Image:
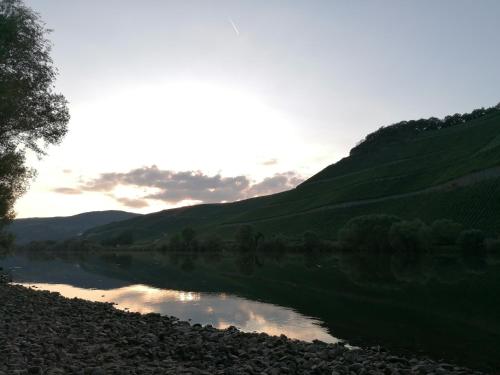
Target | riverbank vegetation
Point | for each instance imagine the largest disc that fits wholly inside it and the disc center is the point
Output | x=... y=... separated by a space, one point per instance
x=366 y=234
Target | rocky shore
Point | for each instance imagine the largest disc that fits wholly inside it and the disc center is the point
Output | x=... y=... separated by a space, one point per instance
x=4 y=278
x=44 y=333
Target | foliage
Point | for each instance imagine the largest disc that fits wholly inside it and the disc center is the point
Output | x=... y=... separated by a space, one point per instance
x=186 y=241
x=493 y=245
x=123 y=239
x=275 y=244
x=445 y=231
x=385 y=233
x=409 y=236
x=367 y=233
x=189 y=242
x=14 y=176
x=70 y=245
x=6 y=242
x=408 y=129
x=212 y=244
x=310 y=241
x=32 y=115
x=175 y=243
x=472 y=241
x=247 y=238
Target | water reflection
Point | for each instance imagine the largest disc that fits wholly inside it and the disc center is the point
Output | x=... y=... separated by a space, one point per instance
x=444 y=305
x=218 y=309
x=399 y=270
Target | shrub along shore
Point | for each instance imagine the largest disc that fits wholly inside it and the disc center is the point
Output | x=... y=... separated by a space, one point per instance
x=370 y=234
x=44 y=333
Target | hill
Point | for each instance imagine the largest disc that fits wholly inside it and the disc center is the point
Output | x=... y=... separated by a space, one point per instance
x=61 y=228
x=427 y=169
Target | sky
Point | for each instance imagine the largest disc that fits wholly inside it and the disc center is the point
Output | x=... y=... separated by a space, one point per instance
x=183 y=102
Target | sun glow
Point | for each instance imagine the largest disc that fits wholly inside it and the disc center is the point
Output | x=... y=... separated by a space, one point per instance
x=186 y=125
x=178 y=125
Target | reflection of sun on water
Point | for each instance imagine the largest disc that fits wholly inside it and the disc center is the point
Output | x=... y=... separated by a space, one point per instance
x=188 y=296
x=140 y=298
x=220 y=310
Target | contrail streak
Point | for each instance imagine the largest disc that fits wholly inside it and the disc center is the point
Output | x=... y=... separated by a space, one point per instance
x=234 y=27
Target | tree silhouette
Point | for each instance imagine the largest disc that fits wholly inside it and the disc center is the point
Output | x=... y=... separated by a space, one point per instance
x=189 y=242
x=247 y=239
x=32 y=115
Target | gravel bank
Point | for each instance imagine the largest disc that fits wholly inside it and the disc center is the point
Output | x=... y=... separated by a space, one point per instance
x=44 y=333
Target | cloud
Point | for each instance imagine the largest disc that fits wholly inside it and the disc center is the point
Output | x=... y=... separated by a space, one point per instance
x=67 y=190
x=174 y=187
x=279 y=182
x=270 y=162
x=134 y=203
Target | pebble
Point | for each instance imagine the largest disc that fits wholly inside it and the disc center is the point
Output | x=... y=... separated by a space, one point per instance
x=45 y=333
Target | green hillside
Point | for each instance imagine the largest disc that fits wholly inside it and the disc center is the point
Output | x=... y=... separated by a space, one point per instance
x=61 y=228
x=427 y=169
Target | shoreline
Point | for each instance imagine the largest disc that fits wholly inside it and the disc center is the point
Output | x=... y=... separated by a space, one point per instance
x=44 y=333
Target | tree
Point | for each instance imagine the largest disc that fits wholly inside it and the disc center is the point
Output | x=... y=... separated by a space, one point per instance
x=189 y=239
x=409 y=236
x=32 y=115
x=247 y=239
x=472 y=242
x=212 y=244
x=367 y=233
x=175 y=243
x=445 y=231
x=6 y=241
x=276 y=244
x=310 y=241
x=123 y=238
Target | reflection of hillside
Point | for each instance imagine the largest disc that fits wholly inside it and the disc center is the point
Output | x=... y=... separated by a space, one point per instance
x=443 y=305
x=379 y=271
x=52 y=270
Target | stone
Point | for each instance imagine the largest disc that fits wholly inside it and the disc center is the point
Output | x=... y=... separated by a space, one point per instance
x=51 y=335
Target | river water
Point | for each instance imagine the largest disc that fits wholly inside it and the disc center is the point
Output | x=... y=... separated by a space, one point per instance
x=446 y=306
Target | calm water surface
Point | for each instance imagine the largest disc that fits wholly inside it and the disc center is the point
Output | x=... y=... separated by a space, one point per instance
x=443 y=306
x=218 y=309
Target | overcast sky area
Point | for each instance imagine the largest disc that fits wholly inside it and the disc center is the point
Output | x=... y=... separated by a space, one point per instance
x=181 y=102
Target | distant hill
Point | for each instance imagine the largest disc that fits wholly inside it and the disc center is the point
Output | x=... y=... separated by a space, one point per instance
x=427 y=169
x=61 y=228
